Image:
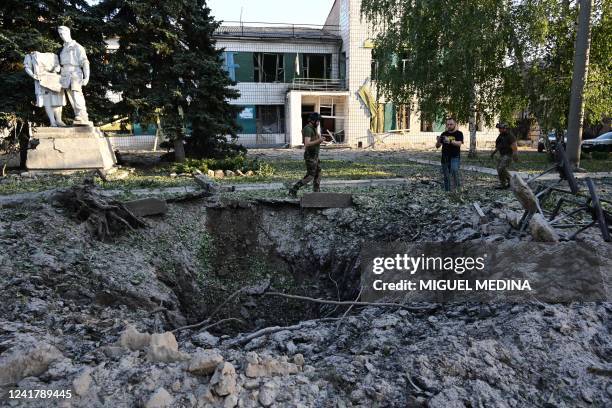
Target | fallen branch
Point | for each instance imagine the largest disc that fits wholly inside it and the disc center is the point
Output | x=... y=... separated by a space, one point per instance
x=274 y=329
x=203 y=322
x=348 y=302
x=348 y=310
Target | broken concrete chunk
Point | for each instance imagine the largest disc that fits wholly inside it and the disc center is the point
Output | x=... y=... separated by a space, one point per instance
x=267 y=394
x=204 y=362
x=147 y=206
x=267 y=366
x=298 y=360
x=541 y=230
x=26 y=362
x=207 y=183
x=134 y=340
x=513 y=217
x=160 y=399
x=223 y=381
x=230 y=401
x=205 y=339
x=523 y=193
x=326 y=200
x=82 y=382
x=164 y=348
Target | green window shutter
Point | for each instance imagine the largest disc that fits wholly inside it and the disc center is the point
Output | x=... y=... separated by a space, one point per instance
x=289 y=66
x=389 y=117
x=244 y=66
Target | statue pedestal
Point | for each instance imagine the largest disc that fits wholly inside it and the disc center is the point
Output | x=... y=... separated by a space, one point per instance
x=70 y=148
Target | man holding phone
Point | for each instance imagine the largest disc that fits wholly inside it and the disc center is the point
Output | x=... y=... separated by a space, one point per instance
x=450 y=140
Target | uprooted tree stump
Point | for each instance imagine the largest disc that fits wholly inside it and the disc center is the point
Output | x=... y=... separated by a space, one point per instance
x=105 y=217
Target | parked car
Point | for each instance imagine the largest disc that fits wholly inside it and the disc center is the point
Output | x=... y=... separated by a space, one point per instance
x=552 y=139
x=602 y=143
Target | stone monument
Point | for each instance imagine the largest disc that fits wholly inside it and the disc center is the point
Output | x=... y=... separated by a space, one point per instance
x=61 y=147
x=74 y=74
x=44 y=68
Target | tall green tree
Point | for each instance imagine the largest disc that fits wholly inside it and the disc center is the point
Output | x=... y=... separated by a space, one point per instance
x=167 y=69
x=451 y=54
x=31 y=25
x=494 y=57
x=544 y=34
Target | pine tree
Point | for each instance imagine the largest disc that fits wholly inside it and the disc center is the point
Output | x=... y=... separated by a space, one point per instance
x=167 y=69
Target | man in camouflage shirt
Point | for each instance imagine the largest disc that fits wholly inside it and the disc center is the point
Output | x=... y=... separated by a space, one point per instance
x=507 y=148
x=312 y=143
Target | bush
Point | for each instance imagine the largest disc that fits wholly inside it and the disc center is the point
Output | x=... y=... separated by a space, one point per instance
x=235 y=163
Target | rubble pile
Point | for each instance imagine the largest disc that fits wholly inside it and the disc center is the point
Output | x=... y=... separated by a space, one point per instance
x=106 y=320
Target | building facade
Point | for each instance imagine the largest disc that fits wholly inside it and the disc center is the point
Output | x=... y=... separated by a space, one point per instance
x=285 y=72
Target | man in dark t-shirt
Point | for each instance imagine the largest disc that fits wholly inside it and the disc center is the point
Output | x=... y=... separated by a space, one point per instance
x=506 y=145
x=450 y=140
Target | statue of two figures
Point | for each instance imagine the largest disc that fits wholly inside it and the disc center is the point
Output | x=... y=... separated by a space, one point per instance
x=55 y=78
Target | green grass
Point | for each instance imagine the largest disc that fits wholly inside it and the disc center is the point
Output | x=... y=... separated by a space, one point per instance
x=529 y=161
x=291 y=170
x=158 y=176
x=18 y=185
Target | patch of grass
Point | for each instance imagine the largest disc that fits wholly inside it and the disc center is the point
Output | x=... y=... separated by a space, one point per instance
x=529 y=161
x=293 y=170
x=17 y=185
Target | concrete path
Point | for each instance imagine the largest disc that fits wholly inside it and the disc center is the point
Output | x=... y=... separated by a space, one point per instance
x=16 y=199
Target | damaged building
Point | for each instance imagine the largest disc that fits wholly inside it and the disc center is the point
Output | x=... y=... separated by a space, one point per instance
x=284 y=72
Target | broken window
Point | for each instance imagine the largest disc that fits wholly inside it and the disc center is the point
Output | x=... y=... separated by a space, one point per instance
x=426 y=126
x=268 y=67
x=402 y=117
x=436 y=126
x=316 y=66
x=270 y=119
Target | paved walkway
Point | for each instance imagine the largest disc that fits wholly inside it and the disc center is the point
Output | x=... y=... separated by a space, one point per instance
x=16 y=199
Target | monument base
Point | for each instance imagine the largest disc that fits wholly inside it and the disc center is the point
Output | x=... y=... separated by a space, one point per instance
x=70 y=148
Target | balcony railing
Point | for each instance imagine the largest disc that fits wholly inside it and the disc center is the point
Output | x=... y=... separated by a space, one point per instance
x=318 y=84
x=260 y=29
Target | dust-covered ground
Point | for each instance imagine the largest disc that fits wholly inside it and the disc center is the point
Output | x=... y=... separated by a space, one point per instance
x=103 y=321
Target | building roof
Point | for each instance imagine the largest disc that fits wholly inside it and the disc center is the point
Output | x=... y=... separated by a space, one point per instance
x=278 y=31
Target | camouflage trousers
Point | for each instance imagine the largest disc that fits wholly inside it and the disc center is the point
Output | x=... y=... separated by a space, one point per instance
x=313 y=173
x=503 y=164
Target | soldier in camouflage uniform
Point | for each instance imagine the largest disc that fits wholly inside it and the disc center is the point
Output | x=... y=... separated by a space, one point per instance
x=507 y=148
x=312 y=143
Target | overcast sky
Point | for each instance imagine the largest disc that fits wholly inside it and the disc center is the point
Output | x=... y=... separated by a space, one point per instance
x=274 y=11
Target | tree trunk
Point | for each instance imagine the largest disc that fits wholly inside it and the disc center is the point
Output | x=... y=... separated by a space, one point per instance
x=472 y=127
x=23 y=136
x=179 y=150
x=579 y=77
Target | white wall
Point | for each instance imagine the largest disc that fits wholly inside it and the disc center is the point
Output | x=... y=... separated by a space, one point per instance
x=255 y=93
